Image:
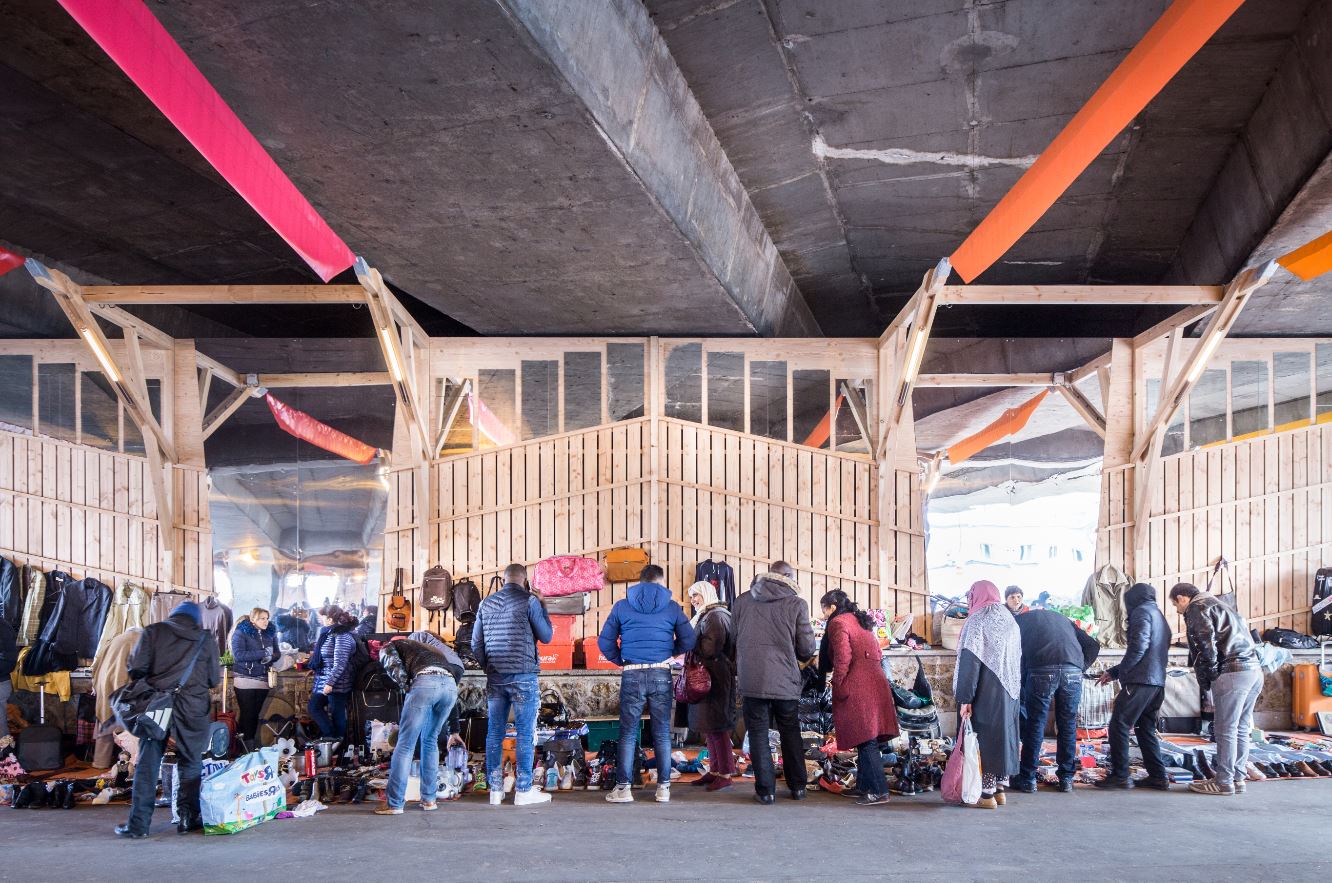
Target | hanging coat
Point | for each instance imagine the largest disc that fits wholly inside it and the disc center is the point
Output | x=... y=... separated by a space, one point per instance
x=1105 y=593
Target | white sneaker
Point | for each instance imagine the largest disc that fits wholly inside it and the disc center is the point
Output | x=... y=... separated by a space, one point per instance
x=621 y=794
x=530 y=797
x=663 y=794
x=496 y=798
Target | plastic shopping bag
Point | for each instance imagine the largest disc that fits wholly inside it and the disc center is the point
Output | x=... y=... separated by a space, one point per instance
x=244 y=794
x=962 y=776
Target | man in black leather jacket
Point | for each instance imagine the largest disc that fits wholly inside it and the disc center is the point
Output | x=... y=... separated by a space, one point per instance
x=1141 y=674
x=1226 y=662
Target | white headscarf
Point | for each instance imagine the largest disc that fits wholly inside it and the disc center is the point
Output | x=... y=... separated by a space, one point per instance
x=709 y=593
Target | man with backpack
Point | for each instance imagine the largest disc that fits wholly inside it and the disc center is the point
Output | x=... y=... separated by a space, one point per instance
x=175 y=653
x=642 y=633
x=509 y=624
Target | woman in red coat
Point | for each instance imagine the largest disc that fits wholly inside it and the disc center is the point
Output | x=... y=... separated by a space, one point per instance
x=863 y=709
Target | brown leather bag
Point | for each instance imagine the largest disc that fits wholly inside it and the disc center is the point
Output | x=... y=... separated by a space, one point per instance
x=398 y=616
x=624 y=564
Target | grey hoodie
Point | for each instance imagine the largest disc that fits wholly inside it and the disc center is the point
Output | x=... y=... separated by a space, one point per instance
x=773 y=635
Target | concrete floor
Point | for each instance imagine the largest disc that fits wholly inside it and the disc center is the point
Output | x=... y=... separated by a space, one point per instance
x=1275 y=832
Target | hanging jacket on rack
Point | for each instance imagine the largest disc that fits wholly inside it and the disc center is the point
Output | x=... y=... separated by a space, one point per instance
x=216 y=617
x=45 y=656
x=721 y=576
x=129 y=610
x=31 y=621
x=87 y=603
x=1105 y=593
x=11 y=594
x=163 y=602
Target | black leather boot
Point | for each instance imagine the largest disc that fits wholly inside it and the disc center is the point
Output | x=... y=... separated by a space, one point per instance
x=124 y=831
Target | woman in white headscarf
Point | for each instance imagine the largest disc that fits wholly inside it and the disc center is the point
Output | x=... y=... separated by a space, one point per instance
x=987 y=684
x=714 y=715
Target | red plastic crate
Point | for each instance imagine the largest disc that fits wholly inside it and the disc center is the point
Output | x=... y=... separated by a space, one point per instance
x=593 y=659
x=556 y=656
x=563 y=628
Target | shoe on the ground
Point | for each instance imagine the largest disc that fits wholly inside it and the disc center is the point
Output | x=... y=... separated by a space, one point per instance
x=764 y=799
x=798 y=794
x=1212 y=787
x=1239 y=785
x=124 y=831
x=987 y=803
x=1065 y=786
x=718 y=783
x=567 y=779
x=496 y=798
x=871 y=800
x=703 y=780
x=1204 y=765
x=1153 y=782
x=389 y=811
x=663 y=794
x=999 y=798
x=530 y=797
x=1024 y=787
x=1113 y=782
x=620 y=794
x=184 y=827
x=429 y=807
x=1252 y=773
x=1307 y=770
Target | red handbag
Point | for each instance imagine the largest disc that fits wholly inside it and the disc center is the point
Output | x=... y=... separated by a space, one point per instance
x=568 y=575
x=693 y=683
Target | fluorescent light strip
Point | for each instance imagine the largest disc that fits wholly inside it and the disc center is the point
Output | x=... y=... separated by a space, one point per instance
x=391 y=355
x=103 y=357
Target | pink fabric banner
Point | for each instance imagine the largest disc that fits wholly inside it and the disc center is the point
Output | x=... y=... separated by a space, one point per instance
x=321 y=435
x=9 y=261
x=136 y=41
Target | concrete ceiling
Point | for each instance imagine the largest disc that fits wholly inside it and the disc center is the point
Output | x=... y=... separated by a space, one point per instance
x=681 y=166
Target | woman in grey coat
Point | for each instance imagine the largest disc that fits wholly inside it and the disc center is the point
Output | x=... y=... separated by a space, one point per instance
x=987 y=684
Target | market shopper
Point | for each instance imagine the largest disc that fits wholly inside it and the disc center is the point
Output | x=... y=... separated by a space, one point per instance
x=987 y=683
x=430 y=682
x=1226 y=662
x=714 y=715
x=1055 y=653
x=1013 y=600
x=254 y=647
x=862 y=699
x=333 y=662
x=641 y=634
x=167 y=652
x=294 y=628
x=1141 y=674
x=509 y=623
x=773 y=639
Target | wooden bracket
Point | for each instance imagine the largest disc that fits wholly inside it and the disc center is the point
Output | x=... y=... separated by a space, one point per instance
x=449 y=414
x=1086 y=410
x=381 y=303
x=229 y=406
x=917 y=328
x=856 y=403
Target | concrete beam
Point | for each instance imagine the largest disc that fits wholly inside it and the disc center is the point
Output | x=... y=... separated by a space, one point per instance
x=618 y=65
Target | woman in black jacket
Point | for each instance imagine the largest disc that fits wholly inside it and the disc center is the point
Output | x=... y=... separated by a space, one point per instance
x=714 y=715
x=254 y=646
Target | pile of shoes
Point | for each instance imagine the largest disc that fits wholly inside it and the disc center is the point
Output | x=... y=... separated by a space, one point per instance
x=58 y=794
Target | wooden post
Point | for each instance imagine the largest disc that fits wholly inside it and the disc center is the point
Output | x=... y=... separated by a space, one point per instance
x=653 y=385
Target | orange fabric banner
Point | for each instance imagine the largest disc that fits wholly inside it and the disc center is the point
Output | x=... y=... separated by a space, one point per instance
x=1009 y=422
x=820 y=433
x=1159 y=55
x=1310 y=260
x=321 y=435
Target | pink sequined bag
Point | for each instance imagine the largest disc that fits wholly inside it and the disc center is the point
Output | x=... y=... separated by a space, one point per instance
x=567 y=575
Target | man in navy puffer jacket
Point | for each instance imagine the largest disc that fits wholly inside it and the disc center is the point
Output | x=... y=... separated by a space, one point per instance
x=641 y=634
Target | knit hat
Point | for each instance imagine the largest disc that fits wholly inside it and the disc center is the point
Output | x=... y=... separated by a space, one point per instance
x=187 y=608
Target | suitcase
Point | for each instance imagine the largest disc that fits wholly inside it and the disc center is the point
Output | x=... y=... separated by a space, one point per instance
x=39 y=744
x=1320 y=617
x=1306 y=693
x=569 y=605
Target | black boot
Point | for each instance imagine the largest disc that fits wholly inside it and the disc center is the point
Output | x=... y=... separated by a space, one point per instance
x=124 y=831
x=68 y=800
x=185 y=826
x=1203 y=766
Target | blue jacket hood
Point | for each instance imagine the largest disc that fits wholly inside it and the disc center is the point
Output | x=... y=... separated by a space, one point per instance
x=649 y=597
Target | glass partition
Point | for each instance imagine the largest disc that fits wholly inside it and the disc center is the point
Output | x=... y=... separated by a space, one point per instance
x=726 y=390
x=684 y=382
x=582 y=390
x=99 y=417
x=1248 y=398
x=16 y=393
x=767 y=399
x=811 y=407
x=624 y=374
x=1207 y=409
x=1291 y=385
x=55 y=400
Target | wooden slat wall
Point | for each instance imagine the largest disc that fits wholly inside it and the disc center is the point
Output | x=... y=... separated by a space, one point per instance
x=92 y=513
x=1264 y=504
x=721 y=494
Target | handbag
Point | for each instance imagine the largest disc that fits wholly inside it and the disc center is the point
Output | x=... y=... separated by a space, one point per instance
x=1096 y=704
x=625 y=564
x=568 y=575
x=399 y=615
x=693 y=683
x=950 y=632
x=437 y=589
x=145 y=711
x=962 y=775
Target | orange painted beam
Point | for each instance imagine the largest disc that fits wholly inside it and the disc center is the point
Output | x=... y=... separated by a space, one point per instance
x=1310 y=260
x=1171 y=42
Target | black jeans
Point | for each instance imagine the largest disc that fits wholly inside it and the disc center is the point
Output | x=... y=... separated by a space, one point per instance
x=1060 y=686
x=248 y=705
x=760 y=716
x=1136 y=709
x=189 y=760
x=870 y=778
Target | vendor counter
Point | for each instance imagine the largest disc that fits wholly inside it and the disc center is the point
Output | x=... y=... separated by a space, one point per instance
x=596 y=694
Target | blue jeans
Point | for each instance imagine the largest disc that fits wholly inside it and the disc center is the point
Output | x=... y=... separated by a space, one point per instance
x=330 y=714
x=870 y=777
x=504 y=692
x=424 y=713
x=640 y=688
x=1060 y=686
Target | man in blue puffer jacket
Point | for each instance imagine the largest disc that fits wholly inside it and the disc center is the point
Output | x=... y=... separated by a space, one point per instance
x=641 y=635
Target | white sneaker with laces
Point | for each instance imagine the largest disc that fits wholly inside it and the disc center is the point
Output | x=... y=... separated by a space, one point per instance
x=496 y=798
x=621 y=794
x=530 y=797
x=663 y=794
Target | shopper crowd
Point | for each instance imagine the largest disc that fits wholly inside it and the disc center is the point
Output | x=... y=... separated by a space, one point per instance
x=1015 y=667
